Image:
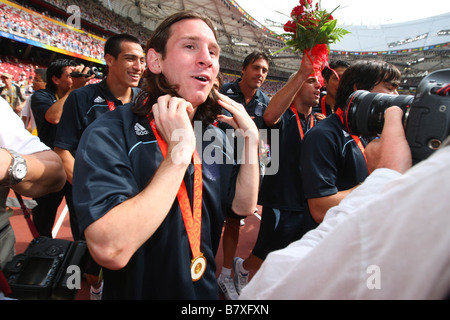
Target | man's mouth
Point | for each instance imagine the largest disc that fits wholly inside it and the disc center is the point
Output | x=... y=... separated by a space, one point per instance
x=202 y=78
x=135 y=76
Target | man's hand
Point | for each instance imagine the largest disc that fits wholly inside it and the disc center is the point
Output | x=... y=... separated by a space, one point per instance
x=246 y=194
x=319 y=116
x=391 y=150
x=78 y=82
x=240 y=119
x=173 y=121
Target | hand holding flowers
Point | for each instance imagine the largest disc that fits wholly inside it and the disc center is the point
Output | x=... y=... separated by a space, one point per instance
x=311 y=31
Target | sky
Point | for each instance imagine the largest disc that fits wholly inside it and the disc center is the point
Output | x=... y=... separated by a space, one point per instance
x=351 y=12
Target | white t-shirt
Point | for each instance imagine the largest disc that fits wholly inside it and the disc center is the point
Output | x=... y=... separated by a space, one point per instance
x=388 y=239
x=13 y=134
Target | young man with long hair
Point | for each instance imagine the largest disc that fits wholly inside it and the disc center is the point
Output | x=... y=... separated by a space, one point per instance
x=151 y=208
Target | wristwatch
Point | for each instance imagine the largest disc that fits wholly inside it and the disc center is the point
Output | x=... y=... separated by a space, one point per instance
x=17 y=169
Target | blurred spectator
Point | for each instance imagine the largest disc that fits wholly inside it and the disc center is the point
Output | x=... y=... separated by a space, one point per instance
x=12 y=94
x=39 y=82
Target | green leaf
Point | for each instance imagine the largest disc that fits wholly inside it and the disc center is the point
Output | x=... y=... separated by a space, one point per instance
x=331 y=24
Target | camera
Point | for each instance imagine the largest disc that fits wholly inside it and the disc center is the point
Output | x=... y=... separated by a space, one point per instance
x=93 y=70
x=41 y=272
x=426 y=116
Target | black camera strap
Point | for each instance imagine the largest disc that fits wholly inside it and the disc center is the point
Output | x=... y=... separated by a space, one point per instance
x=27 y=216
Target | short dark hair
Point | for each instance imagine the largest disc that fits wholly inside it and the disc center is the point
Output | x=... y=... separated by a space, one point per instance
x=156 y=85
x=56 y=68
x=365 y=75
x=113 y=45
x=42 y=72
x=252 y=57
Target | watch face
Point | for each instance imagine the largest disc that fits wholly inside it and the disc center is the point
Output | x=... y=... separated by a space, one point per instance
x=20 y=171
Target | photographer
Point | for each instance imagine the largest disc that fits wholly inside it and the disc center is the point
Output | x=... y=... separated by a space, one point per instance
x=332 y=160
x=42 y=172
x=373 y=245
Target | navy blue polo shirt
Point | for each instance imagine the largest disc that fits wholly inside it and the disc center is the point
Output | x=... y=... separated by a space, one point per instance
x=81 y=108
x=41 y=101
x=117 y=156
x=255 y=108
x=331 y=161
x=284 y=190
x=318 y=108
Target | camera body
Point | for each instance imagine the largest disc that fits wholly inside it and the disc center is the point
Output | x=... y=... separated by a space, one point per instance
x=93 y=70
x=426 y=118
x=41 y=271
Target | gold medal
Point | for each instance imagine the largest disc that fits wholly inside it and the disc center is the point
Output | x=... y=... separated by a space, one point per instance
x=198 y=267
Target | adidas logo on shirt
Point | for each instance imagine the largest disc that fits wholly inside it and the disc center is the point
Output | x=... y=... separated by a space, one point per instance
x=140 y=130
x=99 y=99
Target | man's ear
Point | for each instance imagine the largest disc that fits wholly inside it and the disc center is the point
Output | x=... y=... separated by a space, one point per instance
x=109 y=59
x=55 y=80
x=153 y=61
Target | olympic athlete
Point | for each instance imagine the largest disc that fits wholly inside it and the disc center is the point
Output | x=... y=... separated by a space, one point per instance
x=284 y=216
x=125 y=60
x=151 y=196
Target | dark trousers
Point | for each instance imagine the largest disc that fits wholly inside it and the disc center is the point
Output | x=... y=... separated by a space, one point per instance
x=44 y=213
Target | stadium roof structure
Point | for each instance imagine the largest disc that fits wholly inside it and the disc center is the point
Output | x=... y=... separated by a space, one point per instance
x=417 y=47
x=421 y=45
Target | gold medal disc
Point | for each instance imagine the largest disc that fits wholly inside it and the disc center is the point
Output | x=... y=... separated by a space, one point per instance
x=198 y=267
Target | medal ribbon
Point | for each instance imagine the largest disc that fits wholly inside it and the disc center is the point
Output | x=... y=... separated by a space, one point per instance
x=323 y=107
x=361 y=147
x=111 y=105
x=299 y=123
x=192 y=218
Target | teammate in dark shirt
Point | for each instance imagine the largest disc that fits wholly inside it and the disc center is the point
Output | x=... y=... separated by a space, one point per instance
x=332 y=160
x=125 y=61
x=134 y=178
x=247 y=89
x=332 y=73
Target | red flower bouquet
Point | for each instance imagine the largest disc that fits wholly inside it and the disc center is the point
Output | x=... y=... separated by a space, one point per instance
x=311 y=31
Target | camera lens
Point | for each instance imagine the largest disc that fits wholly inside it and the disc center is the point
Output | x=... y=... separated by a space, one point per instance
x=364 y=111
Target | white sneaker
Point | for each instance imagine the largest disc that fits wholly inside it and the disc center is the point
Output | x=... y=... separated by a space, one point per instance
x=226 y=285
x=96 y=294
x=240 y=279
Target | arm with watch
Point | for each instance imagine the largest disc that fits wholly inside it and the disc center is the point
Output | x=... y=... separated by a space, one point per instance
x=31 y=175
x=27 y=165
